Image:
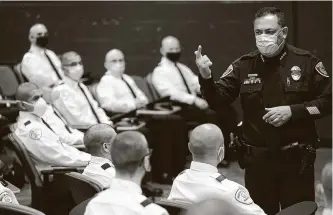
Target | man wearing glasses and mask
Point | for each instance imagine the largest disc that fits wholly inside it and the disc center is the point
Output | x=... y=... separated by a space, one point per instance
x=41 y=66
x=283 y=90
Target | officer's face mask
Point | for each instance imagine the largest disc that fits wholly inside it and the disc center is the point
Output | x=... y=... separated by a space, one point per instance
x=75 y=72
x=39 y=107
x=268 y=44
x=173 y=56
x=42 y=41
x=117 y=68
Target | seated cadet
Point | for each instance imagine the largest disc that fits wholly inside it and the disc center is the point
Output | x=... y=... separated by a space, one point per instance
x=98 y=139
x=203 y=181
x=76 y=104
x=40 y=65
x=44 y=145
x=59 y=125
x=130 y=156
x=325 y=188
x=117 y=92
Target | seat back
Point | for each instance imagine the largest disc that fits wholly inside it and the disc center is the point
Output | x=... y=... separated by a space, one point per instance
x=81 y=187
x=151 y=87
x=93 y=89
x=30 y=169
x=302 y=208
x=143 y=86
x=18 y=72
x=11 y=209
x=173 y=207
x=8 y=82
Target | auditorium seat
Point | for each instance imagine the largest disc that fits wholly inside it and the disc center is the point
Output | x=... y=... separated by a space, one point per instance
x=11 y=209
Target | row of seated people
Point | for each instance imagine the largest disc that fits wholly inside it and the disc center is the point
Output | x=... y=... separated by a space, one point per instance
x=126 y=159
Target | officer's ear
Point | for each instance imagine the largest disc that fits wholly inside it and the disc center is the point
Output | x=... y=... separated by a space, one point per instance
x=285 y=32
x=107 y=147
x=146 y=164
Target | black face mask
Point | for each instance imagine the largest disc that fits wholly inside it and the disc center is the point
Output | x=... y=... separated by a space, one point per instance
x=173 y=56
x=42 y=41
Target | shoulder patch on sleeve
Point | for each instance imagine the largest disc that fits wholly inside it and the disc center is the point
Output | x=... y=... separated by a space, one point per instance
x=35 y=133
x=321 y=69
x=27 y=123
x=228 y=71
x=243 y=196
x=146 y=202
x=105 y=166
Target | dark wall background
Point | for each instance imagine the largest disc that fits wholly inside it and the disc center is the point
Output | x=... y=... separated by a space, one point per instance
x=224 y=29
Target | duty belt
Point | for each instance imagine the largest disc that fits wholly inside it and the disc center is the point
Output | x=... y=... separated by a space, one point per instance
x=261 y=150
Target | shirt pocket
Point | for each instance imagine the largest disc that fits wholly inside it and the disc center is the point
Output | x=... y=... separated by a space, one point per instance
x=296 y=91
x=251 y=97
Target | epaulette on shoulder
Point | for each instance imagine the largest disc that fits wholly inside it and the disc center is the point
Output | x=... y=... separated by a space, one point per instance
x=27 y=123
x=299 y=51
x=248 y=56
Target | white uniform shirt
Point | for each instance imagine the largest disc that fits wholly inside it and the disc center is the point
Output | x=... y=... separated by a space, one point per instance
x=44 y=146
x=7 y=196
x=37 y=69
x=100 y=169
x=200 y=182
x=327 y=211
x=114 y=94
x=67 y=134
x=123 y=197
x=168 y=81
x=74 y=106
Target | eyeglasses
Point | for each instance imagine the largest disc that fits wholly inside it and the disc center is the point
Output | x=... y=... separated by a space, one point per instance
x=74 y=64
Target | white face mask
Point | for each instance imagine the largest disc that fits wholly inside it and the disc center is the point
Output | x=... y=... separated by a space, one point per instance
x=76 y=73
x=40 y=107
x=267 y=44
x=118 y=68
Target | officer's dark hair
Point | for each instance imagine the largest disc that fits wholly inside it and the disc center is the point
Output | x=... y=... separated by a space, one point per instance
x=271 y=10
x=96 y=135
x=128 y=151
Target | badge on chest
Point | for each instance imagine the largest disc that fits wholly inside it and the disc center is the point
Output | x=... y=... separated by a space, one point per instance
x=252 y=79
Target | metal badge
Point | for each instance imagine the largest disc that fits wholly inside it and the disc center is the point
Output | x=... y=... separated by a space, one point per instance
x=296 y=73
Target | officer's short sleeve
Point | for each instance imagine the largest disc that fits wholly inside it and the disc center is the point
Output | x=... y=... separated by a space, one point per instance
x=320 y=88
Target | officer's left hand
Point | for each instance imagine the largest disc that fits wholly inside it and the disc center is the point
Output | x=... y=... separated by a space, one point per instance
x=277 y=116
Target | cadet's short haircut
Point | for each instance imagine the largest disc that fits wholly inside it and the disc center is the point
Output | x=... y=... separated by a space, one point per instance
x=23 y=92
x=66 y=57
x=271 y=10
x=128 y=150
x=96 y=135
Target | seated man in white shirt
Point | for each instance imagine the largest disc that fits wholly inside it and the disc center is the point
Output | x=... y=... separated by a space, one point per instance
x=117 y=92
x=174 y=79
x=202 y=181
x=325 y=188
x=130 y=156
x=43 y=144
x=40 y=65
x=59 y=125
x=75 y=103
x=98 y=139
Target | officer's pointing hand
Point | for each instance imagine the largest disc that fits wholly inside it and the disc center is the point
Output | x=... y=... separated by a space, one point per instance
x=203 y=63
x=277 y=116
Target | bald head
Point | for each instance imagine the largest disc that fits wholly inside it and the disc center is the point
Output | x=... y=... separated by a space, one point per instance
x=115 y=62
x=213 y=207
x=97 y=137
x=27 y=92
x=205 y=140
x=128 y=150
x=170 y=48
x=37 y=31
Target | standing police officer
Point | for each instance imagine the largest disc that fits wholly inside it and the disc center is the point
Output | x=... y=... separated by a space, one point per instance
x=283 y=90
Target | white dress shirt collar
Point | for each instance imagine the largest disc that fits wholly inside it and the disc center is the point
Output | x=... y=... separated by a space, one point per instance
x=166 y=61
x=203 y=167
x=125 y=185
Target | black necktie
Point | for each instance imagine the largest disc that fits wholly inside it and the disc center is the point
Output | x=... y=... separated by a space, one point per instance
x=54 y=68
x=91 y=107
x=129 y=87
x=184 y=80
x=65 y=123
x=47 y=125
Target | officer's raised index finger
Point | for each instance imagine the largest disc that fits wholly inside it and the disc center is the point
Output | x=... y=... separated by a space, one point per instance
x=198 y=52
